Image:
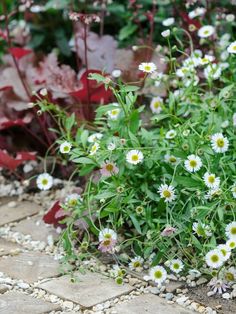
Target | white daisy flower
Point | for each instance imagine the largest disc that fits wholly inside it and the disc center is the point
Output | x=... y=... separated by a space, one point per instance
x=116 y=271
x=134 y=157
x=147 y=67
x=158 y=274
x=230 y=274
x=214 y=258
x=44 y=181
x=136 y=263
x=156 y=104
x=230 y=17
x=219 y=143
x=212 y=193
x=225 y=250
x=193 y=163
x=107 y=234
x=171 y=134
x=171 y=159
x=95 y=137
x=176 y=265
x=43 y=92
x=168 y=22
x=230 y=230
x=202 y=230
x=211 y=180
x=94 y=149
x=199 y=11
x=232 y=47
x=206 y=31
x=207 y=59
x=73 y=199
x=165 y=33
x=231 y=243
x=167 y=192
x=111 y=146
x=212 y=71
x=233 y=190
x=114 y=113
x=182 y=72
x=65 y=147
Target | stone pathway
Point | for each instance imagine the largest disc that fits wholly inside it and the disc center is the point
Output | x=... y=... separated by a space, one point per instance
x=30 y=278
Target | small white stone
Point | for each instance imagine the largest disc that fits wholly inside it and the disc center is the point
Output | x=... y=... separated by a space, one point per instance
x=23 y=285
x=68 y=304
x=210 y=293
x=12 y=204
x=53 y=298
x=30 y=263
x=182 y=300
x=226 y=296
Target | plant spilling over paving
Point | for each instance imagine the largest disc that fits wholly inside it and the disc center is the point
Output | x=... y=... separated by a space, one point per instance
x=160 y=194
x=154 y=139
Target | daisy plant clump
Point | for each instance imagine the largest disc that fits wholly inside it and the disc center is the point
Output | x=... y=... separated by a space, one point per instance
x=160 y=175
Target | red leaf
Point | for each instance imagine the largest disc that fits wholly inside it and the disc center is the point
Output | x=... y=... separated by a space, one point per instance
x=5 y=88
x=189 y=21
x=53 y=217
x=18 y=52
x=7 y=161
x=5 y=123
x=24 y=156
x=98 y=93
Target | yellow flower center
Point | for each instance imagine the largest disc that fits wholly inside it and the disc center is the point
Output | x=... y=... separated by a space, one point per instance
x=172 y=159
x=215 y=258
x=107 y=242
x=114 y=112
x=232 y=245
x=211 y=179
x=44 y=181
x=66 y=148
x=176 y=266
x=134 y=157
x=109 y=167
x=157 y=104
x=147 y=68
x=234 y=48
x=206 y=32
x=233 y=230
x=166 y=193
x=220 y=142
x=136 y=264
x=223 y=251
x=158 y=274
x=193 y=163
x=73 y=202
x=229 y=277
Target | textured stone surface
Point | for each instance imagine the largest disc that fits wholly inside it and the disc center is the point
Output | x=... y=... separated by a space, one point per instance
x=19 y=303
x=173 y=285
x=30 y=266
x=20 y=211
x=7 y=247
x=91 y=288
x=149 y=304
x=3 y=288
x=36 y=227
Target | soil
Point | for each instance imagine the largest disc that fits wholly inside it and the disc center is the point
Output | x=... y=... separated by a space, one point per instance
x=216 y=302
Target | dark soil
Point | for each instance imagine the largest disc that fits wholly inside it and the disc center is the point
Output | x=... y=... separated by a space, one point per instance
x=216 y=302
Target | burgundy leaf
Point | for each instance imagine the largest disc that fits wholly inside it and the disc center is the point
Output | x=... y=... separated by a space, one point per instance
x=18 y=52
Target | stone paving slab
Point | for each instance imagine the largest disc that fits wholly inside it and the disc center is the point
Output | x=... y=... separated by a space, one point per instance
x=9 y=248
x=149 y=304
x=21 y=211
x=91 y=289
x=30 y=266
x=19 y=303
x=36 y=227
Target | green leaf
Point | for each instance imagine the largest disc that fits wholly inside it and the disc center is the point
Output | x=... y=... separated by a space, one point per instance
x=130 y=88
x=134 y=121
x=97 y=77
x=86 y=170
x=187 y=181
x=84 y=160
x=196 y=242
x=84 y=138
x=127 y=30
x=107 y=194
x=134 y=139
x=69 y=122
x=135 y=223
